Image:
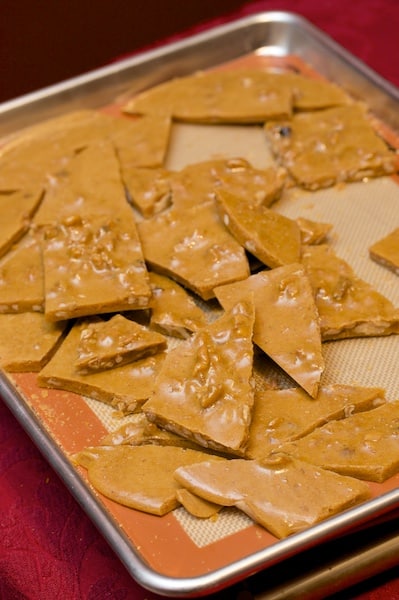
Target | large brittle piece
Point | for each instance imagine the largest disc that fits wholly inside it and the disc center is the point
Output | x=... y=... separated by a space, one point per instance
x=247 y=96
x=236 y=96
x=286 y=321
x=141 y=477
x=322 y=148
x=93 y=266
x=204 y=390
x=194 y=248
x=347 y=305
x=90 y=184
x=283 y=494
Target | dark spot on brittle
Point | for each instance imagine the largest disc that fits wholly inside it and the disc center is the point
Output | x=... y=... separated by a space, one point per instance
x=284 y=131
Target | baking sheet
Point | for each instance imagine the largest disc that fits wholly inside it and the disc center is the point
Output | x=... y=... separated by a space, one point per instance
x=177 y=555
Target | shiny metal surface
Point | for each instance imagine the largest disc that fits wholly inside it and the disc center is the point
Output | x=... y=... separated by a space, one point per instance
x=273 y=33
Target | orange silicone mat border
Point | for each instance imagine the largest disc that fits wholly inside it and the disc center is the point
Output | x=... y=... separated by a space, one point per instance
x=161 y=541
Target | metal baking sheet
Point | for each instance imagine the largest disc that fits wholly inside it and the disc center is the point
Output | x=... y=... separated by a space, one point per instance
x=170 y=555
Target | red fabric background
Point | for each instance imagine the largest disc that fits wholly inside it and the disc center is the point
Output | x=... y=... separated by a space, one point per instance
x=49 y=550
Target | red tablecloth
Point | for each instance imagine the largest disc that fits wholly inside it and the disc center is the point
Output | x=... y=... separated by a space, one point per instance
x=48 y=547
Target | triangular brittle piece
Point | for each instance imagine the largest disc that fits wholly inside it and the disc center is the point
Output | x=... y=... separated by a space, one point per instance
x=116 y=342
x=17 y=210
x=194 y=248
x=365 y=445
x=173 y=311
x=21 y=278
x=286 y=322
x=204 y=390
x=288 y=414
x=273 y=238
x=231 y=96
x=386 y=251
x=283 y=495
x=125 y=388
x=313 y=232
x=140 y=477
x=27 y=341
x=324 y=147
x=347 y=305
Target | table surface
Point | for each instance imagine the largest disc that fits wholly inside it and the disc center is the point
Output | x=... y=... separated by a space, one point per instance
x=49 y=549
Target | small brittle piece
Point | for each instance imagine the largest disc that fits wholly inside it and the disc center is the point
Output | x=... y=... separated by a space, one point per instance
x=204 y=391
x=173 y=310
x=196 y=182
x=149 y=190
x=347 y=305
x=196 y=506
x=125 y=388
x=116 y=342
x=313 y=232
x=288 y=414
x=194 y=248
x=386 y=251
x=288 y=331
x=139 y=431
x=262 y=186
